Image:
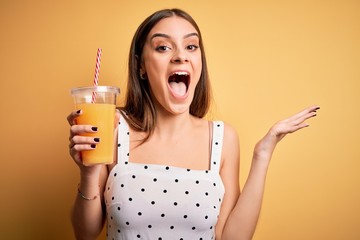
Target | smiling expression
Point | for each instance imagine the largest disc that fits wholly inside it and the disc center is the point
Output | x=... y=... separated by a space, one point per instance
x=172 y=62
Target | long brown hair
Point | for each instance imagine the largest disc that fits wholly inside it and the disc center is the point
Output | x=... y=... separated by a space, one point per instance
x=139 y=106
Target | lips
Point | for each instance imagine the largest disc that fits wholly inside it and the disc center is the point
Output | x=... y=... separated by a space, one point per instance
x=179 y=83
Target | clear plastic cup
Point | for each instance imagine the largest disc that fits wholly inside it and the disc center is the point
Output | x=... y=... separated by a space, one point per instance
x=98 y=109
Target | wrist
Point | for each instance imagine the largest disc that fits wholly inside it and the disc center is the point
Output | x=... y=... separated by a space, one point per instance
x=88 y=197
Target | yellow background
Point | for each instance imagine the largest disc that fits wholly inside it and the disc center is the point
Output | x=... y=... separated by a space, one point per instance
x=267 y=60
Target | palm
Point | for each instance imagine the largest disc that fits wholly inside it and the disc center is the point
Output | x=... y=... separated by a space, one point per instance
x=279 y=130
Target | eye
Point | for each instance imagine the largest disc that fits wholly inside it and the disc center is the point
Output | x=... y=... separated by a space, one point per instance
x=162 y=48
x=192 y=47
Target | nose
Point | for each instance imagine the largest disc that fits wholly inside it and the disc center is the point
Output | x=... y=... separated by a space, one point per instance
x=180 y=56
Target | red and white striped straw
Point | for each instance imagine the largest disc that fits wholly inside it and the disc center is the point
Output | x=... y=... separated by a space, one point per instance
x=97 y=71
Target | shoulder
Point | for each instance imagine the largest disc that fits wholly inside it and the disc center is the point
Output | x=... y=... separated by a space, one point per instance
x=231 y=148
x=231 y=137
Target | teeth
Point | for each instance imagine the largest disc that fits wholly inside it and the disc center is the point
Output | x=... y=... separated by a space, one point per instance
x=181 y=73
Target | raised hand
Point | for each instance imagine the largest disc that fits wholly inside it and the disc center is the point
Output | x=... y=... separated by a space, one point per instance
x=265 y=147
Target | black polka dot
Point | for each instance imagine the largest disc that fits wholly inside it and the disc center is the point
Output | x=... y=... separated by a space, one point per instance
x=171 y=227
x=130 y=199
x=162 y=215
x=115 y=174
x=197 y=182
x=119 y=145
x=206 y=193
x=185 y=216
x=127 y=223
x=133 y=176
x=126 y=162
x=112 y=198
x=176 y=180
x=128 y=133
x=165 y=191
x=127 y=154
x=118 y=230
x=206 y=217
x=197 y=204
x=122 y=185
x=152 y=202
x=139 y=213
x=138 y=236
x=188 y=170
x=155 y=179
x=193 y=228
x=186 y=192
x=143 y=189
x=175 y=203
x=149 y=226
x=118 y=208
x=146 y=167
x=218 y=125
x=216 y=143
x=167 y=167
x=214 y=184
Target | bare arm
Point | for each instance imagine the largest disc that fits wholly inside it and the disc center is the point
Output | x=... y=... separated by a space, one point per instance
x=242 y=221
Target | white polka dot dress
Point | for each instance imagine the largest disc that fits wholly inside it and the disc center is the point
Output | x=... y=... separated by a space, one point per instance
x=157 y=202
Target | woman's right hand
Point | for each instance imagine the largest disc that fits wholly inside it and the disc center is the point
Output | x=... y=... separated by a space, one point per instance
x=80 y=143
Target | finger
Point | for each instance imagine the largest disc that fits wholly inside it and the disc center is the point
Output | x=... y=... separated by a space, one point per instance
x=297 y=127
x=81 y=129
x=301 y=119
x=83 y=147
x=304 y=112
x=72 y=117
x=79 y=140
x=76 y=150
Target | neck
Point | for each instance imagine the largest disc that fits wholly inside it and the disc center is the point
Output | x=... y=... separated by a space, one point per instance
x=169 y=126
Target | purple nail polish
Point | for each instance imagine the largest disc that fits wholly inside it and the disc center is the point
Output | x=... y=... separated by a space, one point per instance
x=93 y=146
x=96 y=139
x=94 y=129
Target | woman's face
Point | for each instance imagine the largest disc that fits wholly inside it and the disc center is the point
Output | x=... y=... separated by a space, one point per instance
x=172 y=61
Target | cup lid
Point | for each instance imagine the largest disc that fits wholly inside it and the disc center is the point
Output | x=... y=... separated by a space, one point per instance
x=109 y=89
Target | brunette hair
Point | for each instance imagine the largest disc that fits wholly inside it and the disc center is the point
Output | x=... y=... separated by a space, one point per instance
x=139 y=107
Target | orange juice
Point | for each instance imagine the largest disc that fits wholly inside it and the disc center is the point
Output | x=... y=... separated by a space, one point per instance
x=102 y=116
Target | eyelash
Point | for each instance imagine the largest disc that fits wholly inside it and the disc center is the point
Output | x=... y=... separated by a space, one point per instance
x=192 y=47
x=164 y=48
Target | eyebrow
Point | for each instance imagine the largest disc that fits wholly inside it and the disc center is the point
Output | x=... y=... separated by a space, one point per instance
x=168 y=36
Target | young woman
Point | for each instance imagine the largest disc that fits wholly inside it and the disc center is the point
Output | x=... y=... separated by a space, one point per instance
x=175 y=174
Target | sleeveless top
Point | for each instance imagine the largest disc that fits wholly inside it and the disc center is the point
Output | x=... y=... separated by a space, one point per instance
x=159 y=202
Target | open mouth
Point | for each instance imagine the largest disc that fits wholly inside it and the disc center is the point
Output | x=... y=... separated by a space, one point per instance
x=179 y=83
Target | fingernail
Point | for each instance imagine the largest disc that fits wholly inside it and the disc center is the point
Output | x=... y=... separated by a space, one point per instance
x=78 y=111
x=96 y=139
x=93 y=146
x=94 y=129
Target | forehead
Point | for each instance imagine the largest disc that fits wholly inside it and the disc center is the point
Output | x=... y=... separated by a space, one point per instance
x=173 y=26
